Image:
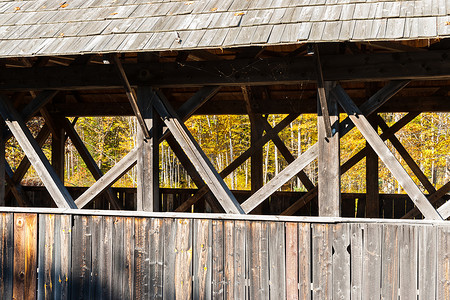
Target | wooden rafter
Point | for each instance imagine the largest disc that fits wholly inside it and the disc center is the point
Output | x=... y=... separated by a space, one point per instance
x=385 y=154
x=321 y=94
x=31 y=148
x=362 y=67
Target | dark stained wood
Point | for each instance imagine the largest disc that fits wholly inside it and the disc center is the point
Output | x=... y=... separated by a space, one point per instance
x=16 y=189
x=6 y=255
x=329 y=187
x=2 y=165
x=359 y=67
x=141 y=258
x=183 y=259
x=58 y=150
x=50 y=179
x=170 y=254
x=235 y=242
x=157 y=249
x=372 y=189
x=322 y=94
x=277 y=260
x=81 y=257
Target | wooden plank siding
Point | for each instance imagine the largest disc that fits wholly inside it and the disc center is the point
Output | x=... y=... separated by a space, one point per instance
x=64 y=256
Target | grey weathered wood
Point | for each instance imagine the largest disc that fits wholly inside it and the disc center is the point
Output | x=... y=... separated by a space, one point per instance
x=323 y=97
x=157 y=249
x=169 y=240
x=386 y=155
x=408 y=261
x=202 y=259
x=444 y=210
x=304 y=260
x=118 y=264
x=275 y=183
x=197 y=156
x=292 y=260
x=341 y=262
x=390 y=262
x=148 y=157
x=235 y=240
x=443 y=262
x=183 y=259
x=141 y=258
x=277 y=261
x=88 y=159
x=108 y=179
x=50 y=179
x=322 y=266
x=357 y=260
x=218 y=274
x=371 y=269
x=258 y=255
x=329 y=183
x=427 y=257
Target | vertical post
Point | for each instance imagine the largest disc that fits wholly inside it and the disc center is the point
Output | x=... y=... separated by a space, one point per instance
x=58 y=148
x=329 y=185
x=372 y=193
x=148 y=157
x=2 y=163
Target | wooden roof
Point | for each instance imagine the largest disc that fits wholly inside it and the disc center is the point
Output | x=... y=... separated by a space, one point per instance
x=48 y=27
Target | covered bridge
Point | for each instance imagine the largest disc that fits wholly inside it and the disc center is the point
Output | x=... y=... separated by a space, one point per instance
x=163 y=61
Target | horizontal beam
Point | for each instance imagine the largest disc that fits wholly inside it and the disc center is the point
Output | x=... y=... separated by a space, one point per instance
x=361 y=67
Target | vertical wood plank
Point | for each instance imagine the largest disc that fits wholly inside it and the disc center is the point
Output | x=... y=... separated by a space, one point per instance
x=218 y=276
x=390 y=262
x=304 y=260
x=341 y=262
x=322 y=279
x=2 y=164
x=356 y=254
x=81 y=258
x=128 y=280
x=46 y=256
x=168 y=286
x=202 y=260
x=372 y=191
x=65 y=233
x=157 y=234
x=141 y=258
x=371 y=276
x=183 y=259
x=443 y=262
x=25 y=256
x=329 y=177
x=427 y=262
x=292 y=261
x=97 y=256
x=258 y=249
x=408 y=262
x=277 y=260
x=118 y=259
x=238 y=282
x=6 y=255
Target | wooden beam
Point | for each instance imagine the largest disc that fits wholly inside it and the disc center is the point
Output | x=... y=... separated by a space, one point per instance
x=240 y=160
x=196 y=155
x=147 y=167
x=58 y=149
x=2 y=165
x=16 y=188
x=329 y=179
x=428 y=65
x=385 y=154
x=88 y=160
x=325 y=116
x=29 y=145
x=275 y=183
x=372 y=185
x=131 y=96
x=108 y=179
x=407 y=158
x=352 y=161
x=433 y=198
x=127 y=162
x=444 y=209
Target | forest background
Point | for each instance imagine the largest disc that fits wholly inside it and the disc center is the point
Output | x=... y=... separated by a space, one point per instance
x=224 y=138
